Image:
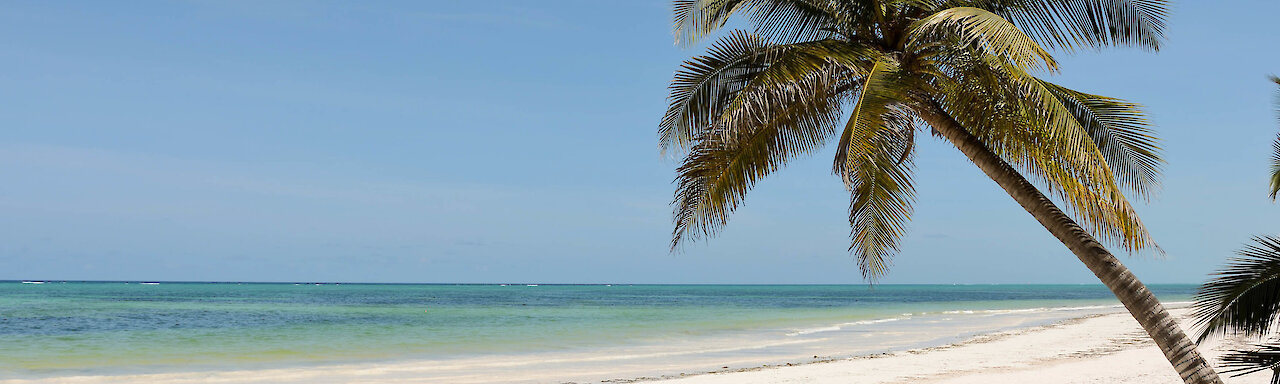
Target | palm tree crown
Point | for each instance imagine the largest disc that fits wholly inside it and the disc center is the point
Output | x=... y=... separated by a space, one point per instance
x=761 y=97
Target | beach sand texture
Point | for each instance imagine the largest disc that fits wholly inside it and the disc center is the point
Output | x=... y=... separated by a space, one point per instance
x=1099 y=349
x=1108 y=348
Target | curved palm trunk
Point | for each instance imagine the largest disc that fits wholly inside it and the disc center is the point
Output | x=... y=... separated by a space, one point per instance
x=1144 y=307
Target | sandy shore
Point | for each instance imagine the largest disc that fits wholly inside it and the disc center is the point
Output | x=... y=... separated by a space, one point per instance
x=1107 y=348
x=1099 y=349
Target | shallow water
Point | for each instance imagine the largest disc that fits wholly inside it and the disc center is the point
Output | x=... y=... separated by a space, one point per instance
x=65 y=328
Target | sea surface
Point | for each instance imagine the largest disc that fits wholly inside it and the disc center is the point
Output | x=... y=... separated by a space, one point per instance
x=55 y=329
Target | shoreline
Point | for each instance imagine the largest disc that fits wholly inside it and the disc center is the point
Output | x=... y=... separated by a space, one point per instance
x=1110 y=342
x=976 y=339
x=1062 y=352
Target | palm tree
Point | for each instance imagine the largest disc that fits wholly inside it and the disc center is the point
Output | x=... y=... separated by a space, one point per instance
x=1244 y=297
x=963 y=69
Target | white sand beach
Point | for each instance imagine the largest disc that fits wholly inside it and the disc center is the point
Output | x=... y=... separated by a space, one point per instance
x=1106 y=348
x=1099 y=349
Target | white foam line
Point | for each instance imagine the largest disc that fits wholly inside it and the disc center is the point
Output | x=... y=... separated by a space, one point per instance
x=840 y=326
x=609 y=357
x=1030 y=310
x=988 y=312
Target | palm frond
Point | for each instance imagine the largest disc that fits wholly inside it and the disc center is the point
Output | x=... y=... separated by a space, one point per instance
x=1243 y=297
x=988 y=32
x=703 y=83
x=1122 y=132
x=776 y=123
x=704 y=87
x=882 y=195
x=789 y=21
x=1244 y=362
x=869 y=107
x=1069 y=24
x=842 y=62
x=1021 y=120
x=873 y=158
x=694 y=19
x=782 y=21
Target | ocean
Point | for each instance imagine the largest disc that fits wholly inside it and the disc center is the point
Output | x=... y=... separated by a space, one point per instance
x=55 y=329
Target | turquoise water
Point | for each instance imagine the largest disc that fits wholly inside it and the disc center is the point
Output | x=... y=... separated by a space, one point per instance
x=62 y=328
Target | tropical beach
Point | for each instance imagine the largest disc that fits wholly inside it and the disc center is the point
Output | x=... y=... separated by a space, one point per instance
x=1012 y=334
x=522 y=333
x=656 y=191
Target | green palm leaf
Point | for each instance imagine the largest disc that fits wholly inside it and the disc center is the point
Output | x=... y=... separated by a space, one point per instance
x=790 y=119
x=706 y=86
x=869 y=108
x=783 y=21
x=1244 y=362
x=1022 y=121
x=1070 y=24
x=1123 y=134
x=987 y=31
x=882 y=194
x=703 y=83
x=1245 y=295
x=873 y=158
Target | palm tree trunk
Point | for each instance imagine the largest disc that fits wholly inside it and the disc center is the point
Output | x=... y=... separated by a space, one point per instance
x=1144 y=307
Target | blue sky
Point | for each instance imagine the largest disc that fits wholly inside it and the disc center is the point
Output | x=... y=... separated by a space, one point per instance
x=514 y=141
